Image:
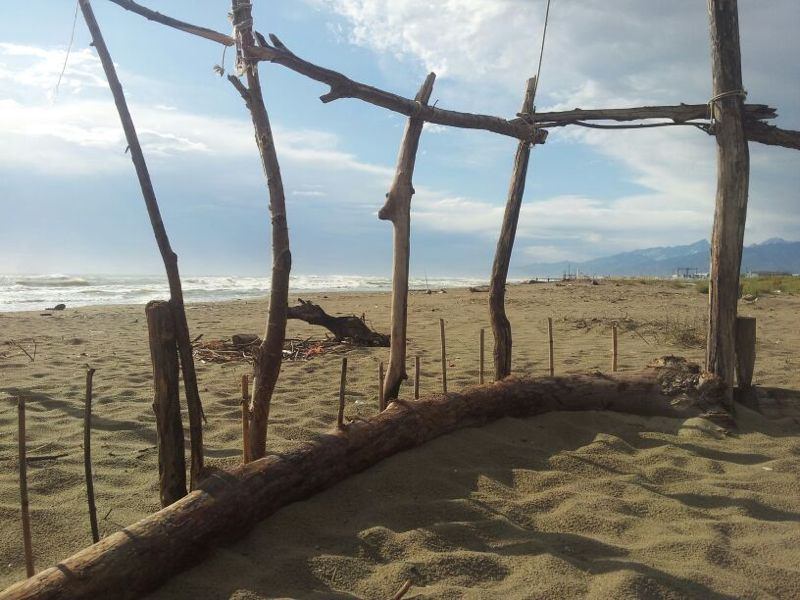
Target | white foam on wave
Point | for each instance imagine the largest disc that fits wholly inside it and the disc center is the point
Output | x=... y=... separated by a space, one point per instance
x=37 y=292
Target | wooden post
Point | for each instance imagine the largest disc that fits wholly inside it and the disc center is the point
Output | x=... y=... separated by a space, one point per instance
x=481 y=355
x=381 y=397
x=444 y=356
x=733 y=175
x=23 y=488
x=246 y=457
x=87 y=456
x=342 y=384
x=416 y=377
x=164 y=356
x=268 y=359
x=501 y=327
x=397 y=209
x=614 y=347
x=745 y=351
x=193 y=405
x=551 y=360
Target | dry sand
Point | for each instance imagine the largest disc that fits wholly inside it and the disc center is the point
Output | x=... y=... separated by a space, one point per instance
x=595 y=505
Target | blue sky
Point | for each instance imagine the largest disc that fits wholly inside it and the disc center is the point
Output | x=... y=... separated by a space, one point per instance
x=71 y=204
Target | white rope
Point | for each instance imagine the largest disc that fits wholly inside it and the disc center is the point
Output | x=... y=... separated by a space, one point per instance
x=541 y=50
x=712 y=116
x=69 y=49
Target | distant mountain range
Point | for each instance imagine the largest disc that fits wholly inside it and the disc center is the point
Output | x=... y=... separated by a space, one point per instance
x=774 y=254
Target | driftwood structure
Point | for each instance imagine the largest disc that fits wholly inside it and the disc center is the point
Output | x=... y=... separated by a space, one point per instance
x=143 y=555
x=225 y=504
x=350 y=328
x=532 y=128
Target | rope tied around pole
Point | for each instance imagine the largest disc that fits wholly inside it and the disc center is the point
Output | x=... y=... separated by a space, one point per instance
x=712 y=116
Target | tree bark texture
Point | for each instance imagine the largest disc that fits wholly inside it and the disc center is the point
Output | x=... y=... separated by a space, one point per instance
x=170 y=259
x=267 y=363
x=501 y=327
x=733 y=174
x=145 y=554
x=397 y=209
x=164 y=356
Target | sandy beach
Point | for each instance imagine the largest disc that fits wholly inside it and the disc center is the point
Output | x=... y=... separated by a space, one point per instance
x=562 y=505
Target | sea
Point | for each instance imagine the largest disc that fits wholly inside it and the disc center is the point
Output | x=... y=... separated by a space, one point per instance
x=39 y=292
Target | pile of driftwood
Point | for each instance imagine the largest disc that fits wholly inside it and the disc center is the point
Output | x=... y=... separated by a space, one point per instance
x=243 y=347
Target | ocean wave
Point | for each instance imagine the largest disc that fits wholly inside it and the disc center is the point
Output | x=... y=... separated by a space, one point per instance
x=37 y=292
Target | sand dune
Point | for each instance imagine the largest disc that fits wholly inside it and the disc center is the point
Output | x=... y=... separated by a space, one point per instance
x=481 y=513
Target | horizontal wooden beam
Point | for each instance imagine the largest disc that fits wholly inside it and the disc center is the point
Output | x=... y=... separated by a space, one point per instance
x=137 y=559
x=524 y=127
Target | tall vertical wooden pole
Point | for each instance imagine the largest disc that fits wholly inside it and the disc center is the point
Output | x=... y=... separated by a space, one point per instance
x=168 y=256
x=268 y=359
x=733 y=176
x=501 y=327
x=551 y=358
x=397 y=209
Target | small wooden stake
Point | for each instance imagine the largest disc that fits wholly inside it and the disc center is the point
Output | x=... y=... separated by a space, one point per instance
x=444 y=356
x=614 y=347
x=246 y=456
x=23 y=489
x=381 y=398
x=342 y=384
x=87 y=456
x=480 y=371
x=550 y=344
x=416 y=377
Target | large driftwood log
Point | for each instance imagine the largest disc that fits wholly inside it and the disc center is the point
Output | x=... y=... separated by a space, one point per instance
x=501 y=327
x=145 y=554
x=520 y=128
x=733 y=178
x=350 y=328
x=397 y=209
x=268 y=359
x=168 y=256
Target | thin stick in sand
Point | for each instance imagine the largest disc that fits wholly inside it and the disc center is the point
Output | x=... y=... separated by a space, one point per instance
x=444 y=356
x=614 y=347
x=87 y=456
x=480 y=367
x=381 y=399
x=416 y=377
x=23 y=490
x=550 y=344
x=403 y=590
x=342 y=384
x=246 y=458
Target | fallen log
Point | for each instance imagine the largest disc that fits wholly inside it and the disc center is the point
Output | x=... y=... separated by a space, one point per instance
x=145 y=554
x=350 y=328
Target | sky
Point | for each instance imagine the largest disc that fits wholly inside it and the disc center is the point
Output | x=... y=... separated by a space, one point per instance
x=70 y=202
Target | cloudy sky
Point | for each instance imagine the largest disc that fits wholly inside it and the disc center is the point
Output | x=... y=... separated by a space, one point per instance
x=70 y=201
